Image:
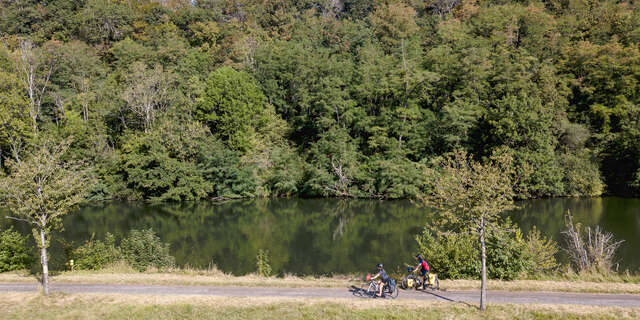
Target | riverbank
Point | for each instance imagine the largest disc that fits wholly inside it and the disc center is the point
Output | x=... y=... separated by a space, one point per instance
x=214 y=277
x=119 y=306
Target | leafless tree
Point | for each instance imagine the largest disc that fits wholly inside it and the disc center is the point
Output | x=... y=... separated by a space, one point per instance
x=331 y=8
x=59 y=112
x=443 y=7
x=16 y=141
x=82 y=83
x=34 y=69
x=147 y=92
x=590 y=249
x=340 y=187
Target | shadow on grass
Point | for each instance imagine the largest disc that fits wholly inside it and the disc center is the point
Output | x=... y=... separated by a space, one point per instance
x=441 y=297
x=358 y=292
x=38 y=275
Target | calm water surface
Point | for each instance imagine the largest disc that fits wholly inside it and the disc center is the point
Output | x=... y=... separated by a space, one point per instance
x=320 y=236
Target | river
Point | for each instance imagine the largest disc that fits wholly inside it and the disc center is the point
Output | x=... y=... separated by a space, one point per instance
x=320 y=236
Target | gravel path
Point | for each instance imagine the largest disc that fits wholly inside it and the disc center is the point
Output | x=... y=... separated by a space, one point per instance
x=595 y=299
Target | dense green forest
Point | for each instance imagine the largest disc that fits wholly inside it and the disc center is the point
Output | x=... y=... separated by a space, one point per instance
x=212 y=99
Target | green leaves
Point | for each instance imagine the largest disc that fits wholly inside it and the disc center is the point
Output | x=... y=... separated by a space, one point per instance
x=160 y=165
x=43 y=187
x=14 y=117
x=143 y=249
x=454 y=256
x=469 y=193
x=96 y=254
x=232 y=106
x=403 y=82
x=14 y=253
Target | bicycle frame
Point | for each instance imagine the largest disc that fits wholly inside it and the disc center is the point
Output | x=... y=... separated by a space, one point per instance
x=372 y=288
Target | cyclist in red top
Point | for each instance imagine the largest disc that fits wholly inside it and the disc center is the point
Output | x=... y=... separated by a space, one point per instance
x=424 y=269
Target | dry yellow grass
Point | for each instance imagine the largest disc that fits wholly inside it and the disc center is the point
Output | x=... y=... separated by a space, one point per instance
x=115 y=306
x=185 y=278
x=545 y=285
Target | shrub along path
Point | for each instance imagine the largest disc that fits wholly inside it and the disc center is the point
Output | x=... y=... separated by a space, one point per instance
x=593 y=299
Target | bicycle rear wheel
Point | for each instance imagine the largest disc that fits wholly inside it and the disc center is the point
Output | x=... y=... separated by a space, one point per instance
x=393 y=294
x=404 y=284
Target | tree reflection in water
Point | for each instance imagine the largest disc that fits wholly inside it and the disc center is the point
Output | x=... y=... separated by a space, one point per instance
x=319 y=236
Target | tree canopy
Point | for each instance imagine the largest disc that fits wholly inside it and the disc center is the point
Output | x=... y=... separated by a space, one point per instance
x=183 y=100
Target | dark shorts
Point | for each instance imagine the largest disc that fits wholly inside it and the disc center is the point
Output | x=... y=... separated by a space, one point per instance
x=423 y=272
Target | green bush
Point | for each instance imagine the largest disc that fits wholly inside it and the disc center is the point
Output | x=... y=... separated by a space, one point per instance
x=262 y=263
x=451 y=255
x=457 y=255
x=541 y=252
x=582 y=175
x=96 y=254
x=506 y=258
x=143 y=249
x=14 y=254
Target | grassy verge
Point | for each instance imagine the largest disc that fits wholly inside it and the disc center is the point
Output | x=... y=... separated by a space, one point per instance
x=113 y=306
x=122 y=274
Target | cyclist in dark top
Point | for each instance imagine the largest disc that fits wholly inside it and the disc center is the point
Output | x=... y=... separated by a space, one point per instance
x=424 y=269
x=384 y=279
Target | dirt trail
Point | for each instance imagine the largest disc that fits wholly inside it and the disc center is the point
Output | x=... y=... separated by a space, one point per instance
x=593 y=299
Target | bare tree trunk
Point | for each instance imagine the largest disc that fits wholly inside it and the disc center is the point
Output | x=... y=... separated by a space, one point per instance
x=27 y=66
x=16 y=147
x=483 y=253
x=85 y=112
x=85 y=103
x=45 y=265
x=147 y=119
x=406 y=88
x=60 y=114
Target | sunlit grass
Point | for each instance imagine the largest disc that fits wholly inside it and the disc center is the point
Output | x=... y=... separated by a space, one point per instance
x=114 y=306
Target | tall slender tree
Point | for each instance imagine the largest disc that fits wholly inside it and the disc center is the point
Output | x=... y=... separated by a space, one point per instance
x=34 y=66
x=470 y=196
x=41 y=189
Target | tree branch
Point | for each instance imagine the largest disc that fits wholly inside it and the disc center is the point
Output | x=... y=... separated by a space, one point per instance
x=19 y=219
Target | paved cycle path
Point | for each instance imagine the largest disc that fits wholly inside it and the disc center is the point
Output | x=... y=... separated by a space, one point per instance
x=594 y=299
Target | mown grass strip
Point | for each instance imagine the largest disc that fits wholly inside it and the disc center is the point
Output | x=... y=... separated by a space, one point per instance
x=114 y=306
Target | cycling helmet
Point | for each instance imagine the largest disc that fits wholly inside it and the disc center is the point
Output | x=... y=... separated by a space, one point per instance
x=419 y=256
x=379 y=265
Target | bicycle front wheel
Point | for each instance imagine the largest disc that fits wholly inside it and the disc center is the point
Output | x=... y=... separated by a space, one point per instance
x=363 y=290
x=371 y=289
x=359 y=291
